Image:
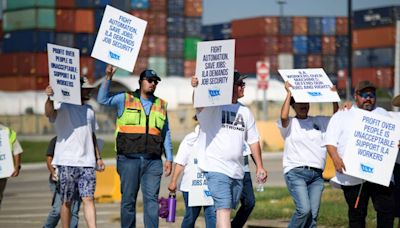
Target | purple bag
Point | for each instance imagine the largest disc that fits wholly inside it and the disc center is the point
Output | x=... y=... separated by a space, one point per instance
x=163 y=207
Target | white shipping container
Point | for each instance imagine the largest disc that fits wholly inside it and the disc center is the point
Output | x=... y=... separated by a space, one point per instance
x=285 y=61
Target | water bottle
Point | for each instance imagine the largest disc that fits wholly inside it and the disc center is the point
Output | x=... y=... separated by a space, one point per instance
x=171 y=207
x=260 y=184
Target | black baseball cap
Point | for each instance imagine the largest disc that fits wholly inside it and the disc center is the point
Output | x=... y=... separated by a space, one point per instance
x=364 y=85
x=149 y=74
x=238 y=77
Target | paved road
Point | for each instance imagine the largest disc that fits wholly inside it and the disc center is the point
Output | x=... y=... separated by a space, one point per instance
x=27 y=198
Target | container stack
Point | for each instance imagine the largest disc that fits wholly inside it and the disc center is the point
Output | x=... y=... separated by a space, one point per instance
x=176 y=34
x=374 y=37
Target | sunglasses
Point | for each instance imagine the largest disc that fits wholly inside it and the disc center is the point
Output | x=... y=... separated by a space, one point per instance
x=365 y=95
x=155 y=81
x=241 y=84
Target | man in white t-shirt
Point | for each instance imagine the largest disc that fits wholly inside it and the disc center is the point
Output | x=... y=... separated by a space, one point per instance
x=223 y=129
x=76 y=153
x=336 y=139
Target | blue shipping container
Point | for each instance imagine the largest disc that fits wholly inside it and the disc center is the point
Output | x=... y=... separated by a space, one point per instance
x=65 y=39
x=314 y=44
x=328 y=63
x=342 y=45
x=285 y=25
x=328 y=26
x=84 y=42
x=176 y=8
x=376 y=17
x=140 y=4
x=27 y=41
x=193 y=26
x=300 y=61
x=300 y=45
x=99 y=68
x=175 y=47
x=98 y=16
x=124 y=5
x=314 y=25
x=175 y=67
x=376 y=57
x=84 y=3
x=217 y=31
x=101 y=3
x=176 y=26
x=342 y=62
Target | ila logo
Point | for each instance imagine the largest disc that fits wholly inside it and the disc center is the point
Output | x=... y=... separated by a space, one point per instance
x=366 y=168
x=315 y=94
x=113 y=55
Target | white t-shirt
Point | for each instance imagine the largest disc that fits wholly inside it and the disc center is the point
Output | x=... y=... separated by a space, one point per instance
x=304 y=142
x=17 y=148
x=223 y=130
x=246 y=156
x=338 y=134
x=187 y=156
x=74 y=126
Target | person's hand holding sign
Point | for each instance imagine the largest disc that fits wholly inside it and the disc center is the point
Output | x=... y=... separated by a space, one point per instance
x=195 y=81
x=110 y=71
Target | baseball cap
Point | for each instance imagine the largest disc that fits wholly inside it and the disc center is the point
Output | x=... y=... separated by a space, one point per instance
x=396 y=101
x=361 y=85
x=85 y=83
x=238 y=77
x=148 y=73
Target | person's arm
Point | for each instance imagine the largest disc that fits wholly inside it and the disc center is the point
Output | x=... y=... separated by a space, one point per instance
x=286 y=106
x=195 y=83
x=335 y=104
x=337 y=160
x=166 y=134
x=17 y=165
x=49 y=110
x=255 y=149
x=51 y=169
x=99 y=161
x=177 y=172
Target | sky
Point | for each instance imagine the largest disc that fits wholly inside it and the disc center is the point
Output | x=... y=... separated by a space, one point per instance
x=221 y=11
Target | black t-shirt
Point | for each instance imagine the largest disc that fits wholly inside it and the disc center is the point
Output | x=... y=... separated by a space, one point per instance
x=52 y=146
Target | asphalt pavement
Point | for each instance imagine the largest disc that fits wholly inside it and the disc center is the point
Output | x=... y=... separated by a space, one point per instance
x=27 y=199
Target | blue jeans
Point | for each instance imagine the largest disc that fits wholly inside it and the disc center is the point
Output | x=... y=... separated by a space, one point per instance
x=54 y=214
x=225 y=191
x=247 y=202
x=191 y=214
x=134 y=172
x=305 y=187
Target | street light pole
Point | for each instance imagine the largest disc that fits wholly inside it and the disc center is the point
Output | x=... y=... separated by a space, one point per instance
x=349 y=50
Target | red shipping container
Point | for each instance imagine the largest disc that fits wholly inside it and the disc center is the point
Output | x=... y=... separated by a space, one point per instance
x=258 y=26
x=193 y=8
x=26 y=82
x=374 y=37
x=141 y=65
x=1 y=30
x=380 y=77
x=258 y=45
x=142 y=14
x=247 y=64
x=314 y=61
x=41 y=82
x=285 y=44
x=299 y=25
x=158 y=5
x=65 y=20
x=341 y=26
x=157 y=23
x=65 y=3
x=33 y=64
x=328 y=45
x=9 y=64
x=189 y=68
x=87 y=67
x=157 y=45
x=84 y=21
x=8 y=83
x=144 y=48
x=341 y=79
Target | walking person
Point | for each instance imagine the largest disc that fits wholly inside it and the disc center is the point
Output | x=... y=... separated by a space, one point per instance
x=142 y=136
x=76 y=153
x=303 y=158
x=336 y=140
x=396 y=174
x=223 y=129
x=54 y=214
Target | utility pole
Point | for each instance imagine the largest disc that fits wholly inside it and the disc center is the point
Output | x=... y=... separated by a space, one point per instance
x=350 y=49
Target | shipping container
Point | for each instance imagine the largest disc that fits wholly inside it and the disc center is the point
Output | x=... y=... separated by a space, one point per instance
x=65 y=20
x=175 y=48
x=176 y=26
x=157 y=45
x=314 y=25
x=189 y=68
x=341 y=79
x=257 y=45
x=84 y=21
x=175 y=67
x=9 y=83
x=374 y=37
x=86 y=66
x=157 y=23
x=144 y=47
x=329 y=64
x=376 y=57
x=26 y=4
x=300 y=45
x=285 y=44
x=285 y=61
x=65 y=4
x=175 y=8
x=98 y=17
x=380 y=77
x=299 y=26
x=159 y=65
x=101 y=3
x=140 y=65
x=124 y=5
x=341 y=26
x=376 y=17
x=285 y=25
x=142 y=14
x=342 y=45
x=193 y=8
x=32 y=64
x=342 y=62
x=99 y=69
x=258 y=26
x=314 y=61
x=29 y=19
x=193 y=27
x=158 y=5
x=314 y=45
x=300 y=61
x=9 y=64
x=65 y=39
x=84 y=42
x=27 y=41
x=328 y=45
x=84 y=3
x=141 y=4
x=247 y=64
x=217 y=31
x=328 y=26
x=1 y=30
x=334 y=79
x=190 y=48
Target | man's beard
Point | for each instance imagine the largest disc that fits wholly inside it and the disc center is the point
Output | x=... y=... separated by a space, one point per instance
x=368 y=106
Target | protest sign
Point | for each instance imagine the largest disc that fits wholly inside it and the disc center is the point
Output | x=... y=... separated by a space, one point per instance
x=199 y=195
x=6 y=157
x=310 y=85
x=119 y=38
x=214 y=70
x=372 y=148
x=64 y=73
